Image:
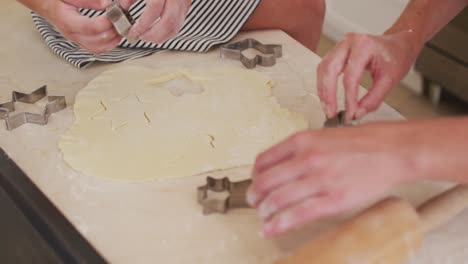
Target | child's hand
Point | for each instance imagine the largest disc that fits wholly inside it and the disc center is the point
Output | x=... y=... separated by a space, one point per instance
x=161 y=20
x=96 y=35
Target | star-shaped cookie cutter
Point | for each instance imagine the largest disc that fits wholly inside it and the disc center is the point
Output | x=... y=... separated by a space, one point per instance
x=340 y=121
x=55 y=104
x=270 y=53
x=236 y=195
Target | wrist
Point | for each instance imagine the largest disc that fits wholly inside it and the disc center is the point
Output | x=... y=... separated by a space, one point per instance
x=406 y=148
x=416 y=154
x=401 y=141
x=408 y=37
x=436 y=149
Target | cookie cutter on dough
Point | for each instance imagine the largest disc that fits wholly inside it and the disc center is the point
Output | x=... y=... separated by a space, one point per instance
x=339 y=121
x=270 y=53
x=120 y=18
x=236 y=195
x=55 y=104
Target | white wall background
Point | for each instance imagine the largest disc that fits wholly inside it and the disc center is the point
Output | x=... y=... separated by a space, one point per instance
x=365 y=16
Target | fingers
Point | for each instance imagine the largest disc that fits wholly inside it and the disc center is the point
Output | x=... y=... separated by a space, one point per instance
x=288 y=195
x=99 y=39
x=70 y=21
x=150 y=16
x=282 y=151
x=273 y=178
x=355 y=68
x=172 y=20
x=91 y=4
x=375 y=97
x=98 y=43
x=275 y=155
x=280 y=164
x=305 y=212
x=328 y=72
x=352 y=57
x=94 y=34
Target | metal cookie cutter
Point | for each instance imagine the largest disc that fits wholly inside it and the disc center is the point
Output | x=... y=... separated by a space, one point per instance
x=235 y=199
x=339 y=121
x=120 y=18
x=234 y=51
x=55 y=104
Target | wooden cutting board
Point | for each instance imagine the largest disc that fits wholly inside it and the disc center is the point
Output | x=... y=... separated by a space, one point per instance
x=160 y=221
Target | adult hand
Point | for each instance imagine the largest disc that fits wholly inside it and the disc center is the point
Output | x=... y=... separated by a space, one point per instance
x=388 y=58
x=96 y=35
x=161 y=20
x=316 y=174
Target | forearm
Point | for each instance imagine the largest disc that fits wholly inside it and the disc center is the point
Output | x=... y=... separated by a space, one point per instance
x=422 y=19
x=441 y=149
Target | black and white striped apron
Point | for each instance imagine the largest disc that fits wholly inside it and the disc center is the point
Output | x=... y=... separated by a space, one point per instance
x=208 y=23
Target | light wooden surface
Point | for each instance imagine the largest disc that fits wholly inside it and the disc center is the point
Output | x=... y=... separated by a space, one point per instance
x=160 y=222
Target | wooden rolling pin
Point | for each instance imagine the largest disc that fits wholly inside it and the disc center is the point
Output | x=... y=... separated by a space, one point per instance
x=388 y=233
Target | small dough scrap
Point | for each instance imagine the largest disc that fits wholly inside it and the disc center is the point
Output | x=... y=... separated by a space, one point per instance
x=136 y=123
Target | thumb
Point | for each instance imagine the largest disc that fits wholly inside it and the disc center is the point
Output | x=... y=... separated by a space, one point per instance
x=151 y=15
x=374 y=98
x=89 y=4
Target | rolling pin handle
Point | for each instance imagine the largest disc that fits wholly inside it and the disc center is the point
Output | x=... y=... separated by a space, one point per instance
x=439 y=210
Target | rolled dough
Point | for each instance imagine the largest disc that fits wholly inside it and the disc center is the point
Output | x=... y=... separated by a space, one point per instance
x=136 y=123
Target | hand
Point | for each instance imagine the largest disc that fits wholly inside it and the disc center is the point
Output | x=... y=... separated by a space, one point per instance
x=160 y=21
x=316 y=174
x=388 y=58
x=96 y=35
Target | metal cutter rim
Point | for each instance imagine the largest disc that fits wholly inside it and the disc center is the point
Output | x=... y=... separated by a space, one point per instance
x=235 y=199
x=270 y=52
x=55 y=104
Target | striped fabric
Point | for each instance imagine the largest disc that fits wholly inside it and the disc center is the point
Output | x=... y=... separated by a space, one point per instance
x=208 y=23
